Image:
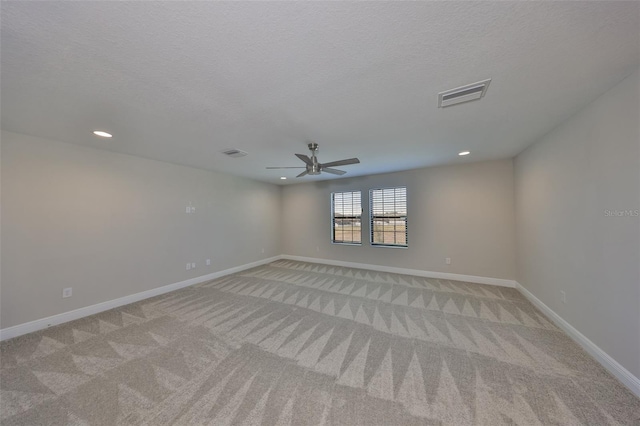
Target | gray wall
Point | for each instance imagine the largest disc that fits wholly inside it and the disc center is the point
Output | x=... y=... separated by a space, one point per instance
x=111 y=225
x=465 y=212
x=566 y=242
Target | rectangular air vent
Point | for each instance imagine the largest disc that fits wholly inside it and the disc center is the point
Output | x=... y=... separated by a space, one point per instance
x=235 y=153
x=459 y=95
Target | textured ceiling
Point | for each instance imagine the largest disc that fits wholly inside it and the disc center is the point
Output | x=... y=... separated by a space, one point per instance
x=180 y=81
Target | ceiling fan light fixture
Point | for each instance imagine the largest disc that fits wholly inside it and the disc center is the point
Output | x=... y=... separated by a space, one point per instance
x=463 y=153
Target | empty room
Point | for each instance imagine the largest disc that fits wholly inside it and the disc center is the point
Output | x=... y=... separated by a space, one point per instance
x=320 y=213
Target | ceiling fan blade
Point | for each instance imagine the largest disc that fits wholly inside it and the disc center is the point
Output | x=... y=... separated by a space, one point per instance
x=305 y=158
x=333 y=171
x=341 y=162
x=302 y=174
x=301 y=167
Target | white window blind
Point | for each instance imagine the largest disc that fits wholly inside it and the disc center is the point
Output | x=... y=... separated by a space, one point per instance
x=388 y=210
x=346 y=216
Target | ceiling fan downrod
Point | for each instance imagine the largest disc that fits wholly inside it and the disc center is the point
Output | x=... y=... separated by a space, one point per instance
x=315 y=168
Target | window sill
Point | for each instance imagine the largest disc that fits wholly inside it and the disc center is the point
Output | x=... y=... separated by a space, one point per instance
x=389 y=246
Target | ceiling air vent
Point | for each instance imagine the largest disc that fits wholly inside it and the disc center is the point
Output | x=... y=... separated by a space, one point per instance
x=470 y=92
x=235 y=153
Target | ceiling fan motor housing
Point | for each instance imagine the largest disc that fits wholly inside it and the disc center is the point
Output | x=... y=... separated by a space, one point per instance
x=314 y=169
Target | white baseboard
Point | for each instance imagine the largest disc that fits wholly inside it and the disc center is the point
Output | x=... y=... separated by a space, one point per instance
x=624 y=375
x=417 y=272
x=29 y=327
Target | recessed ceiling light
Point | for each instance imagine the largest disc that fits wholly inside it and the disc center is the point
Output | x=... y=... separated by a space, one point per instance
x=102 y=134
x=464 y=153
x=283 y=178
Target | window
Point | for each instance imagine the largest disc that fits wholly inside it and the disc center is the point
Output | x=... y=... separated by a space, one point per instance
x=388 y=216
x=346 y=213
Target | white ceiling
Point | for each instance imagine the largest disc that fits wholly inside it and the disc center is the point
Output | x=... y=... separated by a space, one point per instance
x=180 y=81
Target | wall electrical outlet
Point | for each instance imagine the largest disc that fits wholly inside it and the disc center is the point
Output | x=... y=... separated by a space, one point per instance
x=67 y=292
x=188 y=209
x=448 y=260
x=193 y=265
x=563 y=297
x=188 y=266
x=208 y=262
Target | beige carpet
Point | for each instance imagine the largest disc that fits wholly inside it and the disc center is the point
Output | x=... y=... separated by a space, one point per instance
x=295 y=343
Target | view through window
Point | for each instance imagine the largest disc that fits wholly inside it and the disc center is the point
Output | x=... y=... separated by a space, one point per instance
x=347 y=217
x=388 y=216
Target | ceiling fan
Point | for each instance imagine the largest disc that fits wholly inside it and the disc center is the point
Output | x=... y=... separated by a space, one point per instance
x=314 y=168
